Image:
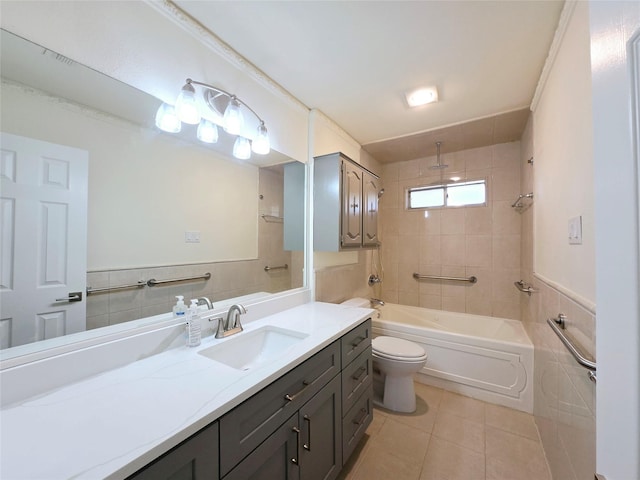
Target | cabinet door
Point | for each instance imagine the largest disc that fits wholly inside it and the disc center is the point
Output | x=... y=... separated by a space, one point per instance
x=370 y=189
x=194 y=459
x=351 y=205
x=275 y=459
x=320 y=422
x=250 y=423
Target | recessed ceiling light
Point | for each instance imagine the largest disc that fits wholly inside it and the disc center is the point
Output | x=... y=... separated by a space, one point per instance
x=422 y=96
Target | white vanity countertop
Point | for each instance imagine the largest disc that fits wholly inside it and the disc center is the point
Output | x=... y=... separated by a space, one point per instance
x=112 y=424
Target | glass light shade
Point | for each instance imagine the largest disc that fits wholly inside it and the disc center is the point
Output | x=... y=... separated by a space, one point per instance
x=186 y=105
x=167 y=120
x=261 y=144
x=233 y=117
x=242 y=149
x=207 y=132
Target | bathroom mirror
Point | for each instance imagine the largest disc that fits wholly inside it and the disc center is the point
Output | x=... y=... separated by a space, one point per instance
x=159 y=206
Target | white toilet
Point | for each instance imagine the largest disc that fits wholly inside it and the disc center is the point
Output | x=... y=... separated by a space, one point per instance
x=397 y=360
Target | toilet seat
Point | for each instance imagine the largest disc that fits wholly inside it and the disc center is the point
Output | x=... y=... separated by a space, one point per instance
x=398 y=349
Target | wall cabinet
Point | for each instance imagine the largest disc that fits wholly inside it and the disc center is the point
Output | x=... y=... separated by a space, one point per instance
x=304 y=425
x=345 y=204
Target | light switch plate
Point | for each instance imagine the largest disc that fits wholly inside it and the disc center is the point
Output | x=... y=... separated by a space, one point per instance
x=192 y=237
x=575 y=231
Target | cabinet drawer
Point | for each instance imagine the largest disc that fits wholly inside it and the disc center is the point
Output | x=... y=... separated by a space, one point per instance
x=196 y=457
x=355 y=423
x=355 y=342
x=247 y=425
x=276 y=458
x=356 y=377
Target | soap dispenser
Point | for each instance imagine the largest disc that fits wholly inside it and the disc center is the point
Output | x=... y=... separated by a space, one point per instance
x=179 y=309
x=194 y=333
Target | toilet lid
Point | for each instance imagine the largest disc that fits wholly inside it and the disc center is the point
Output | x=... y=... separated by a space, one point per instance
x=393 y=348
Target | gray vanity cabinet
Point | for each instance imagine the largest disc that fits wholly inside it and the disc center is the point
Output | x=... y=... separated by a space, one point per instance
x=345 y=201
x=357 y=386
x=249 y=424
x=304 y=425
x=307 y=446
x=195 y=458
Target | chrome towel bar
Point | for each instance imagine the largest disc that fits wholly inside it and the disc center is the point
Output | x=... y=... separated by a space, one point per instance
x=568 y=342
x=153 y=282
x=281 y=267
x=471 y=279
x=91 y=291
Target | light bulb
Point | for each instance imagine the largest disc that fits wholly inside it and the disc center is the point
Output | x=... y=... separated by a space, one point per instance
x=207 y=132
x=261 y=143
x=242 y=149
x=167 y=120
x=186 y=105
x=233 y=117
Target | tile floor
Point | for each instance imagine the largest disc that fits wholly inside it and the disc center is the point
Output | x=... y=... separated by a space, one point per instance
x=449 y=437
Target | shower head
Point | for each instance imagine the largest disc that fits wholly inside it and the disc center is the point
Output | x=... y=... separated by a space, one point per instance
x=438 y=165
x=381 y=192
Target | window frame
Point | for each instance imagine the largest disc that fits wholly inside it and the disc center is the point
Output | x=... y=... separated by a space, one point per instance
x=444 y=186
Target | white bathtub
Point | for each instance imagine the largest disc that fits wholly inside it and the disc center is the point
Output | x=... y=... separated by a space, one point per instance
x=487 y=358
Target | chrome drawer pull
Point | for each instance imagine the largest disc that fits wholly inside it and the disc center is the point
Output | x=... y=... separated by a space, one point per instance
x=359 y=373
x=297 y=430
x=357 y=341
x=361 y=419
x=291 y=398
x=307 y=446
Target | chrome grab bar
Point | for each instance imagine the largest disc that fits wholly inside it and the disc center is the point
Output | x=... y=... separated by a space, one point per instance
x=525 y=287
x=153 y=282
x=471 y=279
x=518 y=203
x=281 y=267
x=140 y=284
x=573 y=349
x=272 y=218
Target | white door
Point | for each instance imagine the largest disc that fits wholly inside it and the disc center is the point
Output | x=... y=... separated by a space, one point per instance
x=615 y=66
x=43 y=242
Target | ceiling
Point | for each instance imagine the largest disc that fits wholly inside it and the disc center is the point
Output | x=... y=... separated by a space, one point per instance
x=355 y=60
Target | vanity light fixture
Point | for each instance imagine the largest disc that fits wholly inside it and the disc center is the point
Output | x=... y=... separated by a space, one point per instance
x=242 y=148
x=422 y=96
x=167 y=120
x=224 y=109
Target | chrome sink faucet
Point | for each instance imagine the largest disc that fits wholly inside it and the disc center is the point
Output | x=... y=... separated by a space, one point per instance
x=231 y=325
x=233 y=316
x=205 y=301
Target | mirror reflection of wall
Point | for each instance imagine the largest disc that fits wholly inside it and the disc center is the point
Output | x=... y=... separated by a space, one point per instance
x=147 y=192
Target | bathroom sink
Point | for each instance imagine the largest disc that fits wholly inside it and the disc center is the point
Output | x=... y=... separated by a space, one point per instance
x=251 y=349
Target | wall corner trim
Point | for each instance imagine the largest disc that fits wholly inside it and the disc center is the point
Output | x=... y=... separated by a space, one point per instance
x=318 y=115
x=565 y=17
x=579 y=299
x=219 y=46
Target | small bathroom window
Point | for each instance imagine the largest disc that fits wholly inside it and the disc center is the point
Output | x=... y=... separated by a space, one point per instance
x=448 y=195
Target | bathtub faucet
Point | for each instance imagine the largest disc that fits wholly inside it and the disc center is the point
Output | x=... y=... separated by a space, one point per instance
x=377 y=301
